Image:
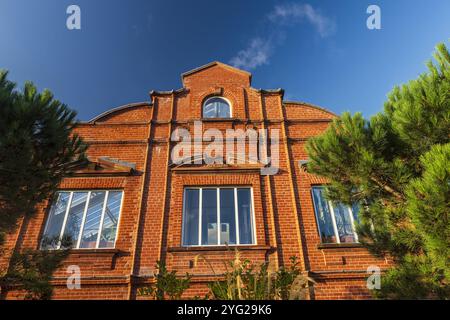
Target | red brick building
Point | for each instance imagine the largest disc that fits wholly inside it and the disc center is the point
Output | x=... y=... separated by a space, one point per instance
x=132 y=206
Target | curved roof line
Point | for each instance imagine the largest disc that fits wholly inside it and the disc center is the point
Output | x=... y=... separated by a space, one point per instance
x=311 y=105
x=120 y=108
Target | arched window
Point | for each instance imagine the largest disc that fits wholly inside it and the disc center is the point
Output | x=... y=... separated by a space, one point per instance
x=216 y=107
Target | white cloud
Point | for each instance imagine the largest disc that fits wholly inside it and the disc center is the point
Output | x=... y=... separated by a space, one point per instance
x=256 y=54
x=296 y=12
x=260 y=49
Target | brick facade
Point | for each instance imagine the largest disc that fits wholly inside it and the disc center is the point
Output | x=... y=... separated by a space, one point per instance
x=151 y=216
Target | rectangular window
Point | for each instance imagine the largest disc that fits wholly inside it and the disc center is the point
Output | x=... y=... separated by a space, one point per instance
x=336 y=222
x=89 y=219
x=218 y=216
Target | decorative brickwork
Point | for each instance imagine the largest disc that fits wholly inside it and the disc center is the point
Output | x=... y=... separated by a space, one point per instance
x=150 y=226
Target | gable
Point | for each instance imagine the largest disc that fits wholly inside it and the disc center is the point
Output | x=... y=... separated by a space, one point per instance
x=105 y=166
x=217 y=73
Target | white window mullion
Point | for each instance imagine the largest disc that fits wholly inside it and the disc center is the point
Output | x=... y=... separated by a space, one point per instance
x=69 y=203
x=184 y=217
x=83 y=219
x=219 y=228
x=236 y=215
x=252 y=216
x=350 y=210
x=200 y=196
x=101 y=220
x=333 y=219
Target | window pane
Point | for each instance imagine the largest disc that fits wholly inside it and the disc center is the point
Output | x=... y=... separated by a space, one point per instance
x=216 y=108
x=323 y=216
x=343 y=223
x=245 y=216
x=191 y=207
x=227 y=217
x=56 y=218
x=224 y=110
x=355 y=211
x=92 y=223
x=111 y=220
x=209 y=216
x=75 y=216
x=209 y=111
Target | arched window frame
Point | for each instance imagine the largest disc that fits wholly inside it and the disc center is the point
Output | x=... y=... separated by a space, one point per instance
x=205 y=102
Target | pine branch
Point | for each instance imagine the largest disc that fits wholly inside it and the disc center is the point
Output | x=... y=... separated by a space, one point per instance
x=387 y=188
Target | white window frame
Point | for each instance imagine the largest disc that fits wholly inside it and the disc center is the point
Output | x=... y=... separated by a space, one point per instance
x=217 y=188
x=66 y=214
x=217 y=97
x=333 y=220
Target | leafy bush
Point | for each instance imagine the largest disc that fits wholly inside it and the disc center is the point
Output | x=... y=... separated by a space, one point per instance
x=245 y=281
x=167 y=285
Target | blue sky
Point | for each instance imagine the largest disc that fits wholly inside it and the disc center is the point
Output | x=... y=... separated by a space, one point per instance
x=318 y=51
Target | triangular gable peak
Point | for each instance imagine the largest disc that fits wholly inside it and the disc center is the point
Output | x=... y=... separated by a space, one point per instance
x=217 y=72
x=105 y=166
x=198 y=164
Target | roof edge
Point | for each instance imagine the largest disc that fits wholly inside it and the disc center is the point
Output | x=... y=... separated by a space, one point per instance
x=277 y=90
x=166 y=92
x=311 y=105
x=120 y=108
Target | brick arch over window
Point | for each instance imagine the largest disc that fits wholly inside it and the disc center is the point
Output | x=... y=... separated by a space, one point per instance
x=199 y=99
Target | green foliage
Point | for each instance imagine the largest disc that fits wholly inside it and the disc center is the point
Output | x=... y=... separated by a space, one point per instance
x=37 y=148
x=430 y=193
x=31 y=270
x=289 y=283
x=396 y=167
x=245 y=281
x=415 y=278
x=167 y=284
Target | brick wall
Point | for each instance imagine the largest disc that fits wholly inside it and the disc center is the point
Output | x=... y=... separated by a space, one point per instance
x=151 y=217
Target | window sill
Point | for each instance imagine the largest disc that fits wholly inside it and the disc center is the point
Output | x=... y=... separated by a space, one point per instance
x=218 y=119
x=339 y=245
x=96 y=252
x=220 y=248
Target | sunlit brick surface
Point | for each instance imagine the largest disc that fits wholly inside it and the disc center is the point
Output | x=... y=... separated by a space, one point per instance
x=151 y=219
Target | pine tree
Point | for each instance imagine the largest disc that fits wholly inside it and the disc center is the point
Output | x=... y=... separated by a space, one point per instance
x=37 y=149
x=396 y=167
